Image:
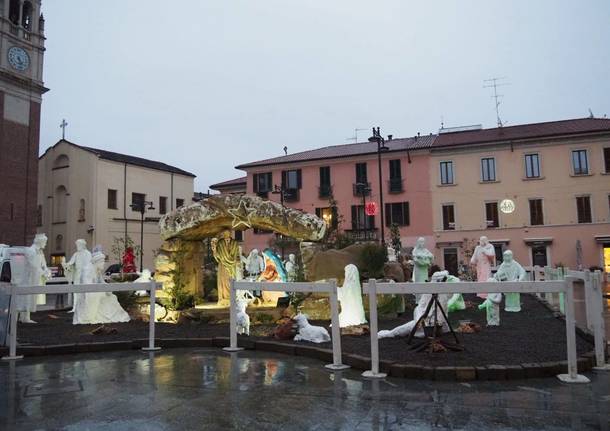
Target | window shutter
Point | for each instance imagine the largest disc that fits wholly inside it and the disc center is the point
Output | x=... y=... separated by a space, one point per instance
x=255 y=183
x=405 y=214
x=318 y=212
x=354 y=217
x=299 y=180
x=388 y=215
x=284 y=179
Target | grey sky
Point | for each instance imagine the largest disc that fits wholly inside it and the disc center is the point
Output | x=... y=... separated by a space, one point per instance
x=206 y=85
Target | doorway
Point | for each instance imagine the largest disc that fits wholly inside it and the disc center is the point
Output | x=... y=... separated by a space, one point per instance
x=450 y=260
x=539 y=255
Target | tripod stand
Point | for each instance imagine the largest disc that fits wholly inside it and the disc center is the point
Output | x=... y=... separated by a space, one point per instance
x=434 y=339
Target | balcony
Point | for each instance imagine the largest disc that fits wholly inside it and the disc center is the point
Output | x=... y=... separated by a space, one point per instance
x=492 y=223
x=362 y=189
x=363 y=234
x=291 y=195
x=325 y=191
x=263 y=194
x=395 y=185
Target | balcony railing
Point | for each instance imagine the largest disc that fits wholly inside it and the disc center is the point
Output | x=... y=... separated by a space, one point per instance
x=395 y=185
x=263 y=194
x=291 y=195
x=362 y=189
x=363 y=234
x=325 y=191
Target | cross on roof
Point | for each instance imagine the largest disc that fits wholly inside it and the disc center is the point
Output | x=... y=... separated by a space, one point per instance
x=63 y=126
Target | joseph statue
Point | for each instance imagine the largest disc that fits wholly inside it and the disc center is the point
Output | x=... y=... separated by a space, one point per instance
x=226 y=254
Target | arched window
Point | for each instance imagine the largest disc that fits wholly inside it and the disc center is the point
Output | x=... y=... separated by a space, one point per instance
x=13 y=12
x=81 y=210
x=60 y=201
x=26 y=17
x=62 y=161
x=59 y=243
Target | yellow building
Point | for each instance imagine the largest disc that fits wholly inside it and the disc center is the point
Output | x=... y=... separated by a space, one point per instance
x=91 y=194
x=542 y=190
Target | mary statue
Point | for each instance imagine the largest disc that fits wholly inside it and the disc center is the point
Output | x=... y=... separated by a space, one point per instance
x=350 y=297
x=422 y=260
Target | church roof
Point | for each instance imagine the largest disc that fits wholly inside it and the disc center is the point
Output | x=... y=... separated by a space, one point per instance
x=130 y=160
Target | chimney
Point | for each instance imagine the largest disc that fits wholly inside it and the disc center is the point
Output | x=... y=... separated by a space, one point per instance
x=390 y=137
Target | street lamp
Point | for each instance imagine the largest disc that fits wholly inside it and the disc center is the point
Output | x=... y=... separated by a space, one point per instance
x=142 y=208
x=363 y=188
x=380 y=147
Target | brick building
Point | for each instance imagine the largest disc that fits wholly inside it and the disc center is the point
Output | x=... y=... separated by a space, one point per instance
x=21 y=88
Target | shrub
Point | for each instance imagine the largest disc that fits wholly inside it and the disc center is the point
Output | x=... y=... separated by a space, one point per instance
x=372 y=259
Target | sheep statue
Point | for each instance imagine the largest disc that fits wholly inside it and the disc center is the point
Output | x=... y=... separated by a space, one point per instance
x=243 y=320
x=307 y=332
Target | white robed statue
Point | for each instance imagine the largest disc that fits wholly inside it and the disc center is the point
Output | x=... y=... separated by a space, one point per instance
x=98 y=307
x=350 y=297
x=422 y=260
x=75 y=268
x=36 y=274
x=510 y=270
x=482 y=258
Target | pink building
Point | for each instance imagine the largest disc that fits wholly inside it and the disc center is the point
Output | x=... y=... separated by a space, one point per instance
x=350 y=175
x=542 y=190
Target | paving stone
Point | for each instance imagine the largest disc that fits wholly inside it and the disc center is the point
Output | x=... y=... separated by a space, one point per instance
x=514 y=372
x=465 y=373
x=496 y=372
x=444 y=373
x=398 y=370
x=550 y=369
x=483 y=373
x=533 y=370
x=384 y=366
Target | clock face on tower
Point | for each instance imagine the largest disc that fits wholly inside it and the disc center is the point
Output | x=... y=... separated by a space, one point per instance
x=18 y=58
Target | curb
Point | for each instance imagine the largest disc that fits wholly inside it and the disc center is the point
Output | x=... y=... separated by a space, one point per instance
x=358 y=362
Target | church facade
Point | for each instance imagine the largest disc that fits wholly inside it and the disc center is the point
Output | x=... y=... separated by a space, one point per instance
x=95 y=194
x=21 y=89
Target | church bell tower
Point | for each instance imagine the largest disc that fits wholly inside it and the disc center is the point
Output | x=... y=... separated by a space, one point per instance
x=21 y=89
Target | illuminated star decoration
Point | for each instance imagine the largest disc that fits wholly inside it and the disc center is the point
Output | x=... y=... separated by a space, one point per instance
x=241 y=215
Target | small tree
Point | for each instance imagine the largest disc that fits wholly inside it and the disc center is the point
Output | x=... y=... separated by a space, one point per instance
x=395 y=239
x=335 y=239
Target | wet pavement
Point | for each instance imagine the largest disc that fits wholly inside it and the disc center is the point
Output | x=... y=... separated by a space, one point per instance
x=207 y=389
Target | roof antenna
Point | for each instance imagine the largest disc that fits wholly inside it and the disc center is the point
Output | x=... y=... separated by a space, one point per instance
x=285 y=150
x=591 y=114
x=355 y=137
x=442 y=123
x=493 y=83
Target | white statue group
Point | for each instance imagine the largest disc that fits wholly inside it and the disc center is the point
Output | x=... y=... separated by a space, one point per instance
x=85 y=267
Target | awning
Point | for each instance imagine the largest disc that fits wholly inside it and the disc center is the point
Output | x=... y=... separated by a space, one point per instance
x=602 y=239
x=538 y=241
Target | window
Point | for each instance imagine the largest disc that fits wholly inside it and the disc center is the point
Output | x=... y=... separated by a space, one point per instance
x=60 y=205
x=491 y=214
x=395 y=176
x=499 y=250
x=536 y=215
x=360 y=221
x=583 y=208
x=329 y=215
x=39 y=216
x=325 y=188
x=446 y=172
x=262 y=183
x=5 y=276
x=179 y=203
x=81 y=210
x=397 y=213
x=291 y=180
x=361 y=176
x=162 y=205
x=580 y=163
x=532 y=166
x=137 y=201
x=488 y=169
x=607 y=160
x=448 y=217
x=112 y=199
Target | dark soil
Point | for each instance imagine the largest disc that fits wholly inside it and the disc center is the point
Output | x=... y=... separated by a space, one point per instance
x=533 y=335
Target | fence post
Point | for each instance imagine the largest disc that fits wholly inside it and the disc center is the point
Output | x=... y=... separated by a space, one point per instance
x=589 y=298
x=373 y=325
x=572 y=376
x=232 y=320
x=13 y=313
x=151 y=320
x=599 y=333
x=336 y=330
